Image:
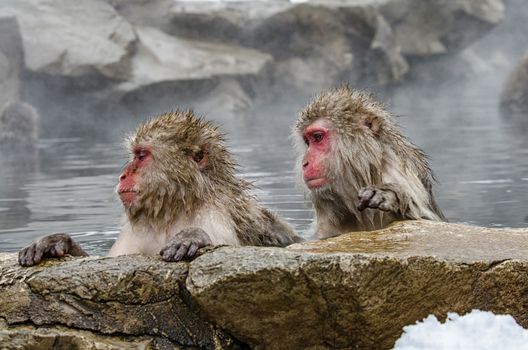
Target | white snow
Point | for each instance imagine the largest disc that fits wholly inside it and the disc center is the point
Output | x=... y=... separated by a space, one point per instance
x=477 y=330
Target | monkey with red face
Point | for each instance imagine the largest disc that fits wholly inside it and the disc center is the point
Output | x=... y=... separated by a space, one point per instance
x=179 y=193
x=361 y=172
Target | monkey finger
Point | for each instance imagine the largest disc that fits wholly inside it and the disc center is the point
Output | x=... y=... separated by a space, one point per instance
x=59 y=249
x=385 y=206
x=169 y=251
x=181 y=252
x=376 y=200
x=25 y=256
x=364 y=195
x=193 y=248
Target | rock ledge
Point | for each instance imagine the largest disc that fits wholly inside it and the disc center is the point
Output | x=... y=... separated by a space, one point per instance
x=353 y=291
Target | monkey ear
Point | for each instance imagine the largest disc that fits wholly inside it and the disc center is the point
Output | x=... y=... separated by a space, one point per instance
x=372 y=122
x=200 y=156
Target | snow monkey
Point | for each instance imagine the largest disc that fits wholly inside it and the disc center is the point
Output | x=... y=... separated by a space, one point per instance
x=179 y=193
x=19 y=124
x=361 y=172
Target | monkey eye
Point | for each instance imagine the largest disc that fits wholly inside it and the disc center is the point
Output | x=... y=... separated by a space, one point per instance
x=141 y=154
x=198 y=156
x=317 y=136
x=305 y=139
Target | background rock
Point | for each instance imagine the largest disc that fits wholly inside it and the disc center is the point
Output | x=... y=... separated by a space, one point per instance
x=11 y=60
x=135 y=58
x=73 y=39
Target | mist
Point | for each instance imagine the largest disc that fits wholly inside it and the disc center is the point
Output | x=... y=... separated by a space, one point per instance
x=94 y=69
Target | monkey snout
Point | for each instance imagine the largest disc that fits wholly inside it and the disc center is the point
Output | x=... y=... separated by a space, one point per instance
x=122 y=177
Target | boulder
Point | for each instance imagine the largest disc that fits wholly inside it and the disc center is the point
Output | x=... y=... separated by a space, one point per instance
x=11 y=60
x=357 y=290
x=167 y=70
x=339 y=41
x=514 y=98
x=72 y=39
x=222 y=20
x=133 y=299
x=432 y=28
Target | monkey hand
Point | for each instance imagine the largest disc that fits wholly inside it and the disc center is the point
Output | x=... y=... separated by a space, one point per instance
x=185 y=244
x=52 y=246
x=377 y=198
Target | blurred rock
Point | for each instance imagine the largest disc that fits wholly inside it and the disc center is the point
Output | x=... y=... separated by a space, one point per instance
x=222 y=21
x=424 y=28
x=11 y=60
x=164 y=65
x=94 y=61
x=354 y=291
x=319 y=46
x=514 y=98
x=70 y=38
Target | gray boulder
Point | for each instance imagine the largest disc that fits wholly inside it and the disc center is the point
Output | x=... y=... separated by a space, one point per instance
x=430 y=28
x=71 y=38
x=353 y=291
x=169 y=71
x=11 y=60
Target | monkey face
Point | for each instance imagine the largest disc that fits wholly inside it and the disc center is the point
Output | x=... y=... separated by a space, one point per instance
x=317 y=137
x=128 y=181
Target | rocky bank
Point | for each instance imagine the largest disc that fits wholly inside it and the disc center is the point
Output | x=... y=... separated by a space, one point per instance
x=353 y=291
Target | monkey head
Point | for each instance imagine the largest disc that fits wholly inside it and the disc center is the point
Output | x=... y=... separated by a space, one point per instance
x=174 y=162
x=339 y=140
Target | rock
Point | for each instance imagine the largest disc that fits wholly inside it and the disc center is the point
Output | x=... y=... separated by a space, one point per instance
x=68 y=38
x=63 y=338
x=432 y=28
x=362 y=298
x=222 y=21
x=319 y=46
x=139 y=298
x=353 y=291
x=514 y=97
x=11 y=60
x=166 y=69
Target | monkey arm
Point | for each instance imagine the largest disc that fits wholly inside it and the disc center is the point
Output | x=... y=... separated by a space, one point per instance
x=52 y=246
x=185 y=244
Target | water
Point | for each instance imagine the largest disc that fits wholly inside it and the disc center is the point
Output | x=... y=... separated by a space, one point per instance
x=479 y=158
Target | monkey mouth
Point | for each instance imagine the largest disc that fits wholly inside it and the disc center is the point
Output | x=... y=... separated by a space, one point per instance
x=315 y=182
x=127 y=196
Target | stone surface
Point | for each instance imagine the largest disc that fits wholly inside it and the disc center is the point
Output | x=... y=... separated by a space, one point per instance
x=136 y=297
x=514 y=98
x=11 y=60
x=72 y=38
x=353 y=291
x=164 y=58
x=432 y=28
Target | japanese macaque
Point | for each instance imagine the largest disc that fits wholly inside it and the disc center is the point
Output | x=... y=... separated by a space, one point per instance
x=361 y=172
x=19 y=124
x=179 y=193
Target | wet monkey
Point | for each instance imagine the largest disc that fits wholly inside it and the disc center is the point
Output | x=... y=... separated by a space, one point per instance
x=179 y=192
x=359 y=169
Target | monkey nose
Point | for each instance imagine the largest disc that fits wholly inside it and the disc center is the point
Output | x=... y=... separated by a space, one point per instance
x=122 y=177
x=305 y=164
